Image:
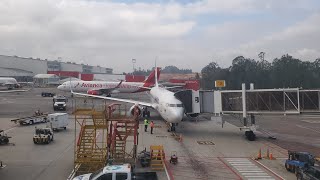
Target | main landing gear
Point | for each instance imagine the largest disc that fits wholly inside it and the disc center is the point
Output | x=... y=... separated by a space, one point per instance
x=146 y=113
x=250 y=135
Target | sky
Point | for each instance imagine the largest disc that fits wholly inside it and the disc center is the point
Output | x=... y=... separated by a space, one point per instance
x=186 y=33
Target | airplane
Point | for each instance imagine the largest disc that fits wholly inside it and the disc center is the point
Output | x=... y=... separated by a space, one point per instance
x=10 y=83
x=164 y=101
x=108 y=88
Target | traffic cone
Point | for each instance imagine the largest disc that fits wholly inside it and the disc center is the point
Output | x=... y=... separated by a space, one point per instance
x=259 y=155
x=180 y=138
x=271 y=157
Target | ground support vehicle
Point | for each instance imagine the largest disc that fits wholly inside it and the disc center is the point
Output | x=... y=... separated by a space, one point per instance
x=36 y=118
x=309 y=173
x=118 y=172
x=4 y=139
x=144 y=158
x=47 y=94
x=299 y=160
x=58 y=121
x=43 y=135
x=59 y=103
x=174 y=157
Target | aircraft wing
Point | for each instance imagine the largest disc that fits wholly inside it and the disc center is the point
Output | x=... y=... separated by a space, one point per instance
x=11 y=91
x=116 y=99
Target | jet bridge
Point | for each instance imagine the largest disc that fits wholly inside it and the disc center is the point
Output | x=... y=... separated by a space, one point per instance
x=249 y=102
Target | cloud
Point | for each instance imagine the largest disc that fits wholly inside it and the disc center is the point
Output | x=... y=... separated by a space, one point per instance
x=109 y=33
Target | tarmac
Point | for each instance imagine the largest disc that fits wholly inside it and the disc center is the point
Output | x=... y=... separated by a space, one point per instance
x=205 y=149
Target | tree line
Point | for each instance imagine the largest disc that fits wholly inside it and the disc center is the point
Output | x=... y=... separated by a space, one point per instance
x=165 y=70
x=283 y=72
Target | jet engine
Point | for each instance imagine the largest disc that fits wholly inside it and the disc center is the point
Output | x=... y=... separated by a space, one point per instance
x=94 y=92
x=132 y=109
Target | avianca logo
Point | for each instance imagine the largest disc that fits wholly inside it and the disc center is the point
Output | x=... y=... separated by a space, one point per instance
x=91 y=85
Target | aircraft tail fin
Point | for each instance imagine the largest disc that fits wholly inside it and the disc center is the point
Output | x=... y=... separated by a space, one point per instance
x=152 y=79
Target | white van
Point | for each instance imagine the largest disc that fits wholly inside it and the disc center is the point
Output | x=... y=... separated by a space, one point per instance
x=58 y=121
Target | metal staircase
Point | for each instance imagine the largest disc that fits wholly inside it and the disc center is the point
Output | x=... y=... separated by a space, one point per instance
x=157 y=157
x=91 y=152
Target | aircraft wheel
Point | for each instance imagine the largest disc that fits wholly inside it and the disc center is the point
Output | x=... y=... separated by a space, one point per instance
x=250 y=135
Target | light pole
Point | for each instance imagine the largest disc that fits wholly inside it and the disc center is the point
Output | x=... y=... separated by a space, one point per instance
x=133 y=62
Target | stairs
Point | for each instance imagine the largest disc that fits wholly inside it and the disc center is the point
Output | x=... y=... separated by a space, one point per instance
x=86 y=151
x=157 y=158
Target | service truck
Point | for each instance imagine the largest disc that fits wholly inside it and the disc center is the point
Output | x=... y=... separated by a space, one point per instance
x=59 y=103
x=58 y=121
x=118 y=172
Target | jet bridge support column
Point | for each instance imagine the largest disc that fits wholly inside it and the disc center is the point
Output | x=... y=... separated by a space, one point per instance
x=248 y=129
x=244 y=105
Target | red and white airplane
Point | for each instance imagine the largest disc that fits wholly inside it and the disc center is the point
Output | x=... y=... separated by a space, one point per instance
x=165 y=102
x=108 y=88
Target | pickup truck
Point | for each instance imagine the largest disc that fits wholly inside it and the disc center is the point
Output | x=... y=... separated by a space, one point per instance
x=117 y=172
x=309 y=173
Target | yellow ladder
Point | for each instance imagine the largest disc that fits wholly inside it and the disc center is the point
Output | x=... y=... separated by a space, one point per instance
x=157 y=157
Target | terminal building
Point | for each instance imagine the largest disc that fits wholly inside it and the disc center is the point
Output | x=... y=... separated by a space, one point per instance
x=24 y=69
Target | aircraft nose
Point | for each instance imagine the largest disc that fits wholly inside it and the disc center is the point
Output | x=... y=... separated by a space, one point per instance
x=60 y=87
x=177 y=115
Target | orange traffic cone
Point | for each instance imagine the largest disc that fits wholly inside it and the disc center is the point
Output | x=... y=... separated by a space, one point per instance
x=271 y=157
x=180 y=138
x=259 y=155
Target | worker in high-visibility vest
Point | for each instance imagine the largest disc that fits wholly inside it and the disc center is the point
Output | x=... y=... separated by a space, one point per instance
x=146 y=123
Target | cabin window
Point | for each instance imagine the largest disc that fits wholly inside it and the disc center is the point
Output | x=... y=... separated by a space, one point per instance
x=175 y=105
x=121 y=176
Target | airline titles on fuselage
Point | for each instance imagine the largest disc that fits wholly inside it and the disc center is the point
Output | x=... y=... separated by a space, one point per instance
x=106 y=86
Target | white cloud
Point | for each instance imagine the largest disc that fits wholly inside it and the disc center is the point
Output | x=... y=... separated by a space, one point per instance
x=111 y=34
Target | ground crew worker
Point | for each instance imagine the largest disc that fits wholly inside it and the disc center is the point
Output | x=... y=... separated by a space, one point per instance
x=151 y=126
x=146 y=125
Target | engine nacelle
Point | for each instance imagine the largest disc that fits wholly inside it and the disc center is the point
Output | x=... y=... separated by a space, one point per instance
x=137 y=108
x=93 y=92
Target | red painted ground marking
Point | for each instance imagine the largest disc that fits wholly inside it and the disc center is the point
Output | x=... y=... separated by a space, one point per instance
x=226 y=165
x=169 y=170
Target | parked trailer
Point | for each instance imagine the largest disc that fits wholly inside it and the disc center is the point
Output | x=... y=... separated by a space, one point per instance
x=58 y=121
x=42 y=118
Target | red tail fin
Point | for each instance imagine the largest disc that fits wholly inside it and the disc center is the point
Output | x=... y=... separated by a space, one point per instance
x=151 y=78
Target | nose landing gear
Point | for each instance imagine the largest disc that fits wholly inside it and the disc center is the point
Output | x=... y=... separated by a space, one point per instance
x=172 y=127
